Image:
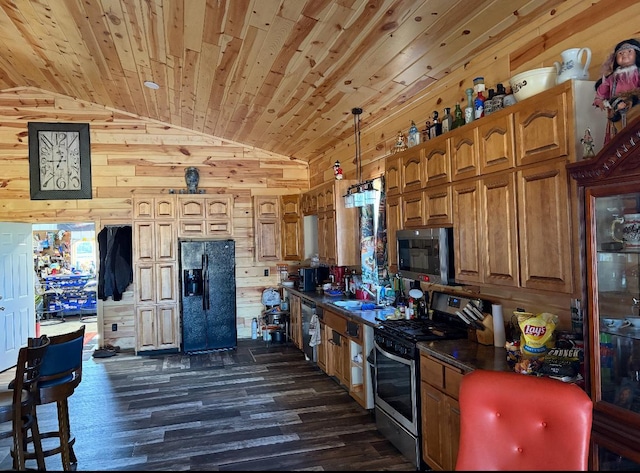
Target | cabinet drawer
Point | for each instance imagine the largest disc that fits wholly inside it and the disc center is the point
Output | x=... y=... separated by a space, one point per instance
x=432 y=372
x=335 y=321
x=444 y=377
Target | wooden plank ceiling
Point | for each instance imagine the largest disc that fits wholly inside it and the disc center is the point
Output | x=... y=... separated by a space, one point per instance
x=281 y=75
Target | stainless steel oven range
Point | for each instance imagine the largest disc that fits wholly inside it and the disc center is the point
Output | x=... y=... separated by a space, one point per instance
x=397 y=369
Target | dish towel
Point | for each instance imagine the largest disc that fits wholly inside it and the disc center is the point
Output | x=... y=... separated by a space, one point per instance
x=314 y=331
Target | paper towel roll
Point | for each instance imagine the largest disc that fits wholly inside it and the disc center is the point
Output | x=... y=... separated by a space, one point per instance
x=499 y=337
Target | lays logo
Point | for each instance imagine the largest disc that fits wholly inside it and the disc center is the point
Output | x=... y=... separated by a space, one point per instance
x=535 y=331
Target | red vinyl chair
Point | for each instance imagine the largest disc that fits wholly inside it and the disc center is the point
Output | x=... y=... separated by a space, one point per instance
x=515 y=422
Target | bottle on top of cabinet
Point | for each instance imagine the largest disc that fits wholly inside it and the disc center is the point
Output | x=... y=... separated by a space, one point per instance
x=426 y=131
x=447 y=120
x=458 y=117
x=436 y=126
x=488 y=103
x=413 y=137
x=469 y=110
x=478 y=87
x=498 y=97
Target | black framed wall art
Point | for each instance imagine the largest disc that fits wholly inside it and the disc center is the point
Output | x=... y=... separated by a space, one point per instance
x=59 y=161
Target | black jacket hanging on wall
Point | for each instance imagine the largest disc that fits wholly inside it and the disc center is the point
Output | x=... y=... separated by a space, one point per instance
x=116 y=272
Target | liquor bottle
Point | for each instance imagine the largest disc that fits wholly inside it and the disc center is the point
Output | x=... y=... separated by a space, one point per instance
x=436 y=126
x=497 y=99
x=469 y=110
x=425 y=132
x=458 y=117
x=447 y=120
x=488 y=104
x=413 y=137
x=478 y=103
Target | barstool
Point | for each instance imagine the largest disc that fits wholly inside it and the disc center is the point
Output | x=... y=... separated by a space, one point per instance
x=60 y=374
x=17 y=404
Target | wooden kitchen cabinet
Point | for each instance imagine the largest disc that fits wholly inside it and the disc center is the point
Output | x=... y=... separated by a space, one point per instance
x=205 y=216
x=413 y=173
x=338 y=235
x=440 y=413
x=155 y=273
x=437 y=161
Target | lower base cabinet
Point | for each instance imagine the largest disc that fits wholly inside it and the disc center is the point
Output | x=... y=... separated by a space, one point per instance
x=440 y=411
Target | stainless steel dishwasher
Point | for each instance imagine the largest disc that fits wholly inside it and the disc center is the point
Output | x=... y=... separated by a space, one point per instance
x=308 y=309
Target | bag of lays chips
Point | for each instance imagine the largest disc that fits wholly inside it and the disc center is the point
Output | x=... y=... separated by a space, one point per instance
x=537 y=333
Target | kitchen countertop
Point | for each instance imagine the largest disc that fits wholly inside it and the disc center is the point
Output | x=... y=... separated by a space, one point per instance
x=467 y=355
x=464 y=354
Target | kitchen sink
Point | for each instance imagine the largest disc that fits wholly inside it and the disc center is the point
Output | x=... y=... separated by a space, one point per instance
x=349 y=305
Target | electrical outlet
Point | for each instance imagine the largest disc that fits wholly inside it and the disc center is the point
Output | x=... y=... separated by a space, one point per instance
x=114 y=327
x=266 y=272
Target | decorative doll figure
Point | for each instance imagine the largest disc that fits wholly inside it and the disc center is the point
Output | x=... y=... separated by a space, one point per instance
x=587 y=144
x=401 y=143
x=619 y=88
x=337 y=170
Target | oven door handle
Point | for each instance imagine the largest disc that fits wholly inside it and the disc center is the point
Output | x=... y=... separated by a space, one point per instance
x=391 y=356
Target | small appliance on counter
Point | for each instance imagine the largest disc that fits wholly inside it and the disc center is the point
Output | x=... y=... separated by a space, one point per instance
x=307 y=279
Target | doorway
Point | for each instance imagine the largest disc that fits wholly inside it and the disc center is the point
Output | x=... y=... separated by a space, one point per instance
x=65 y=262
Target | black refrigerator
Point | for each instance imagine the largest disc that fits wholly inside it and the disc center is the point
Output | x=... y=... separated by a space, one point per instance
x=208 y=295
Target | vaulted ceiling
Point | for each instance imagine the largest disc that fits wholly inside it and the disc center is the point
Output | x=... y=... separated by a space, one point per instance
x=281 y=75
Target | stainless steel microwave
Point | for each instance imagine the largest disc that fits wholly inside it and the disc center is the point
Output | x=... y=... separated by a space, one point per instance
x=426 y=254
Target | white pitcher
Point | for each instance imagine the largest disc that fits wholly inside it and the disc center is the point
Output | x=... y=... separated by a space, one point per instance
x=572 y=66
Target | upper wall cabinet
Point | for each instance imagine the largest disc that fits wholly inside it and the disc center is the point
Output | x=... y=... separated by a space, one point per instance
x=205 y=215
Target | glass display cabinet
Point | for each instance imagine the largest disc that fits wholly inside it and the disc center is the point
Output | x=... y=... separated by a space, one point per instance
x=609 y=198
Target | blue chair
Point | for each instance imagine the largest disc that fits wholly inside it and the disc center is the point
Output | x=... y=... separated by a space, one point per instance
x=60 y=374
x=17 y=403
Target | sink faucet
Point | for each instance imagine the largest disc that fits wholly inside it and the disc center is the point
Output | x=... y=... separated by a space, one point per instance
x=375 y=293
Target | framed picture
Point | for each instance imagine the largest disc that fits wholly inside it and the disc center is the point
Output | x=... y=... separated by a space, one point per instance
x=59 y=161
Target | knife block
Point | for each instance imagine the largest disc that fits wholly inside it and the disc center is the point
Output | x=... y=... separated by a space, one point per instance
x=485 y=337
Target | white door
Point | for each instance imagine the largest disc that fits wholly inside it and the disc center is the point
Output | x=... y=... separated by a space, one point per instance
x=17 y=290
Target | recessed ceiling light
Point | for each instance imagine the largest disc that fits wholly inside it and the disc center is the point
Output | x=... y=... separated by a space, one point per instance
x=151 y=85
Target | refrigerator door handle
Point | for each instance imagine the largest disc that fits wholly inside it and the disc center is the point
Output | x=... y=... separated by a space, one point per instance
x=205 y=282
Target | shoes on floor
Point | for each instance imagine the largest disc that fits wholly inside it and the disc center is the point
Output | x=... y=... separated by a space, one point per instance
x=103 y=353
x=114 y=348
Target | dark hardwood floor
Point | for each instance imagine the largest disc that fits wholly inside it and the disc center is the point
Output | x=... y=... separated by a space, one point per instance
x=255 y=408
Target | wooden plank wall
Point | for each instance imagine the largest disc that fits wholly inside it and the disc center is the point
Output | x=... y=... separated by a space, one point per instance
x=129 y=155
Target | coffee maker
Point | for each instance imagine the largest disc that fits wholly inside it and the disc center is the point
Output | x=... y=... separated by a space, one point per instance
x=338 y=273
x=307 y=280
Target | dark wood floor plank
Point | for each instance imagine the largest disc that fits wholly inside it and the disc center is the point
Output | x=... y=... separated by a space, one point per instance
x=257 y=408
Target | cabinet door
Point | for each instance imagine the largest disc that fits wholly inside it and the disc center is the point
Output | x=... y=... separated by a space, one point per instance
x=322 y=348
x=191 y=228
x=144 y=238
x=496 y=144
x=143 y=208
x=540 y=129
x=166 y=278
x=146 y=337
x=438 y=206
x=145 y=278
x=165 y=207
x=393 y=175
x=167 y=323
x=463 y=149
x=437 y=160
x=219 y=207
x=267 y=207
x=191 y=207
x=412 y=170
x=165 y=241
x=267 y=240
x=413 y=209
x=434 y=435
x=291 y=247
x=292 y=238
x=467 y=232
x=500 y=229
x=394 y=223
x=545 y=229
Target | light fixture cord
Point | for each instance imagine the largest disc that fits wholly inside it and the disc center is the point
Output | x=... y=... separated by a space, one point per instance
x=356 y=126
